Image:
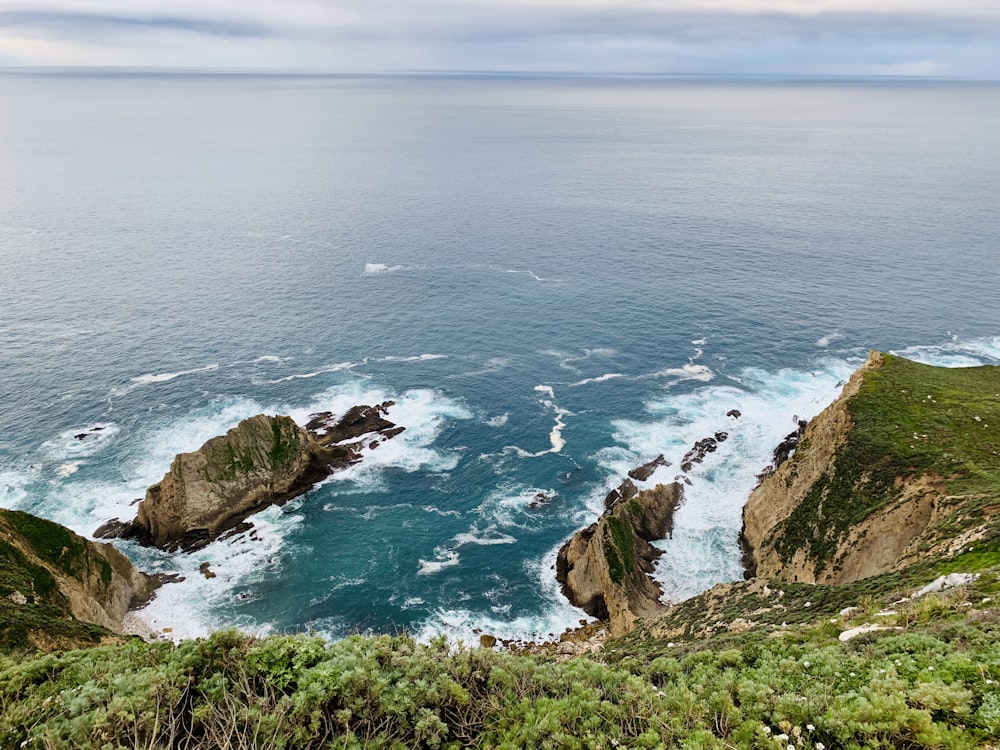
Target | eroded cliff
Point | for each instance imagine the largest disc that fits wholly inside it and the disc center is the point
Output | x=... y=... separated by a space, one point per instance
x=903 y=466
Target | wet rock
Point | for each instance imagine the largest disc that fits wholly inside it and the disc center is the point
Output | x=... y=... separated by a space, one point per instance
x=625 y=491
x=734 y=413
x=642 y=473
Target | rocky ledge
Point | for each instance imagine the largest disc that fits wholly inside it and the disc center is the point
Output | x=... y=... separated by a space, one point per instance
x=604 y=569
x=264 y=460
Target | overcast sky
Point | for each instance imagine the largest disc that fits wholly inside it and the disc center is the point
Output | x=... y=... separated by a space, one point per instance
x=811 y=37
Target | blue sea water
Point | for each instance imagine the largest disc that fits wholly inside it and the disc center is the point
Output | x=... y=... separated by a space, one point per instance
x=556 y=279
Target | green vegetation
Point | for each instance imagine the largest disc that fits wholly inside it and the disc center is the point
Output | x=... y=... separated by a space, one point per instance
x=910 y=420
x=616 y=570
x=933 y=684
x=32 y=610
x=283 y=450
x=53 y=543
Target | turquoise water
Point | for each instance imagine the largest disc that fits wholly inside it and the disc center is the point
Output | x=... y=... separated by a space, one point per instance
x=555 y=279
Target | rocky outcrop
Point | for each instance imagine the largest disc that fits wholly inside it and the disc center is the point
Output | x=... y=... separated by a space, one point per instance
x=264 y=460
x=52 y=577
x=605 y=568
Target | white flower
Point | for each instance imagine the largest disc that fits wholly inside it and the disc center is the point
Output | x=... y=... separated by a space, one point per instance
x=853 y=675
x=930 y=669
x=820 y=746
x=805 y=664
x=989 y=682
x=783 y=737
x=767 y=730
x=791 y=747
x=810 y=728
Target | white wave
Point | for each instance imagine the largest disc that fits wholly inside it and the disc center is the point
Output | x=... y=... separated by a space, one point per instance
x=825 y=340
x=703 y=550
x=555 y=434
x=373 y=268
x=498 y=421
x=68 y=469
x=700 y=342
x=417 y=358
x=444 y=559
x=547 y=389
x=509 y=506
x=339 y=367
x=489 y=537
x=13 y=488
x=599 y=379
x=958 y=353
x=196 y=606
x=689 y=371
x=80 y=441
x=464 y=625
x=165 y=377
x=438 y=511
x=271 y=358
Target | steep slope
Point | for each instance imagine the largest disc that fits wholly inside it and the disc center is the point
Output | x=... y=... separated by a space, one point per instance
x=903 y=466
x=59 y=590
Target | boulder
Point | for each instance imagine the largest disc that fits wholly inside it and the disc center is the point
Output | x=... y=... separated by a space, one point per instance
x=264 y=460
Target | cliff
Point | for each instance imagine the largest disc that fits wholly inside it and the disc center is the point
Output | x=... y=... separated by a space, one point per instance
x=904 y=466
x=604 y=569
x=59 y=590
x=262 y=461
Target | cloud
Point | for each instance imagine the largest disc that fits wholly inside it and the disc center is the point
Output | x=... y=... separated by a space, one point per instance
x=675 y=36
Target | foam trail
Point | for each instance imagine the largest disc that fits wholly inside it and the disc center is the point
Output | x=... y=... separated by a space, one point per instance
x=532 y=274
x=689 y=371
x=825 y=340
x=498 y=421
x=165 y=377
x=340 y=366
x=418 y=358
x=555 y=435
x=599 y=379
x=375 y=268
x=444 y=559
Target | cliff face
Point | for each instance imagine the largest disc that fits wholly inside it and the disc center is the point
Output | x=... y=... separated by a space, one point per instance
x=50 y=578
x=262 y=461
x=901 y=467
x=604 y=569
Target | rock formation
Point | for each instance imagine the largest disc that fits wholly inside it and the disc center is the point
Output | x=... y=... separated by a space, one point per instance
x=644 y=472
x=262 y=461
x=52 y=577
x=604 y=569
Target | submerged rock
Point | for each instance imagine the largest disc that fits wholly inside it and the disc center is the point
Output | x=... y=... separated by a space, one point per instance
x=264 y=460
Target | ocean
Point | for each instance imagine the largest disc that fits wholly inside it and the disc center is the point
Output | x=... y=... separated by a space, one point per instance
x=555 y=279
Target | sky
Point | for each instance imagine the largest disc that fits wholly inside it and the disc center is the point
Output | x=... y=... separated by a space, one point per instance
x=952 y=38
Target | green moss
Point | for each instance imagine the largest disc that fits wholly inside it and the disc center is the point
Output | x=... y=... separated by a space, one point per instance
x=622 y=536
x=283 y=449
x=909 y=420
x=615 y=569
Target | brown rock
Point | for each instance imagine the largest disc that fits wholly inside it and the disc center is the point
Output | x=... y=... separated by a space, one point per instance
x=604 y=569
